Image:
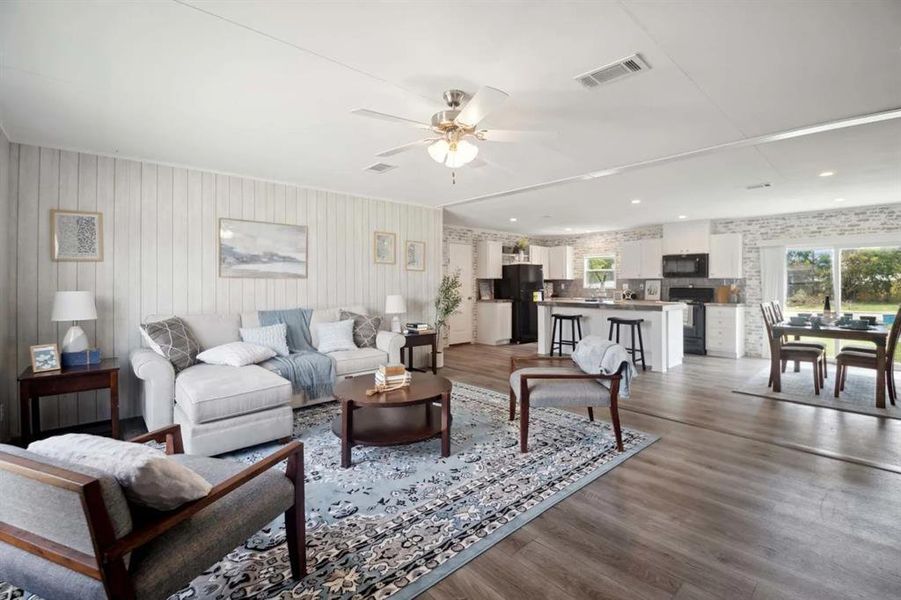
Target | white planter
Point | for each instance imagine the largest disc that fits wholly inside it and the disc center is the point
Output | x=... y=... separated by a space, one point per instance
x=439 y=359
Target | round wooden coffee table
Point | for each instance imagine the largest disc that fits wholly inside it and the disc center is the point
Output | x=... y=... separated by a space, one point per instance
x=412 y=414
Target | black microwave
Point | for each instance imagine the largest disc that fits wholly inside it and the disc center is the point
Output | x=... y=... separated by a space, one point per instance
x=685 y=265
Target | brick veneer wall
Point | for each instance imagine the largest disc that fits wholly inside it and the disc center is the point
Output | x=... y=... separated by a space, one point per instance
x=820 y=224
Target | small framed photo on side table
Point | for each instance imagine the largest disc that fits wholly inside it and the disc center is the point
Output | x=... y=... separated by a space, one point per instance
x=45 y=357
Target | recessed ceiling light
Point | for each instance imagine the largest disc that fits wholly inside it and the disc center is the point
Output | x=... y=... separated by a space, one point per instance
x=682 y=217
x=839 y=199
x=513 y=219
x=827 y=173
x=636 y=201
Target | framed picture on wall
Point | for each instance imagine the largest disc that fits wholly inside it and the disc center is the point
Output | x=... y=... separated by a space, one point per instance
x=45 y=357
x=652 y=289
x=76 y=235
x=260 y=250
x=414 y=256
x=384 y=248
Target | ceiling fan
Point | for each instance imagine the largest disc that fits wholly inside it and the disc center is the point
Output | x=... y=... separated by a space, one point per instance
x=455 y=129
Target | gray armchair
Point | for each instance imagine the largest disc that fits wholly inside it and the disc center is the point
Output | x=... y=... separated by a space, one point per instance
x=67 y=531
x=561 y=385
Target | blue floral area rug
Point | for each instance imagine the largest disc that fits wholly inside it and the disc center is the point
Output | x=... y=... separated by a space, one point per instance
x=402 y=518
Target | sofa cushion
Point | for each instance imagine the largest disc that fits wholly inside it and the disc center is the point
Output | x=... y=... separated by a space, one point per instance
x=335 y=336
x=172 y=560
x=270 y=336
x=236 y=354
x=210 y=392
x=359 y=360
x=173 y=339
x=365 y=330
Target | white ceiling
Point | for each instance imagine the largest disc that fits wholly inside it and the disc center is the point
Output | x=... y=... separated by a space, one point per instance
x=266 y=89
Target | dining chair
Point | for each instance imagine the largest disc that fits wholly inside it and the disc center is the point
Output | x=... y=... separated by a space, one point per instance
x=790 y=351
x=778 y=317
x=865 y=358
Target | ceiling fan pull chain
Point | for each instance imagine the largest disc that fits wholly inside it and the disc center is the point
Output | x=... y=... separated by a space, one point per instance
x=454 y=177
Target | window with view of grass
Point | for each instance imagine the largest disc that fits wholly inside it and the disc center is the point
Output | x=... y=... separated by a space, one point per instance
x=600 y=272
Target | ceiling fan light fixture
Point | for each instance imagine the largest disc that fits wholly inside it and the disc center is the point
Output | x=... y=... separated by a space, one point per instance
x=438 y=150
x=460 y=153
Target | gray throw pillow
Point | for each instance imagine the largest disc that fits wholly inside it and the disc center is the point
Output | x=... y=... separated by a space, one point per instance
x=174 y=340
x=366 y=328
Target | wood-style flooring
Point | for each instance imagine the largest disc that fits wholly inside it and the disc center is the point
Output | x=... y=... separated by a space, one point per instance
x=742 y=498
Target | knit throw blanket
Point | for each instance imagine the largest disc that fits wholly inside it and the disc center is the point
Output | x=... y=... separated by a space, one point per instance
x=594 y=354
x=308 y=371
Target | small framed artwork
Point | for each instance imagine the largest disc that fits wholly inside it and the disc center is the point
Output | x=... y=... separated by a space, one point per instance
x=414 y=254
x=384 y=248
x=652 y=289
x=76 y=235
x=45 y=357
x=485 y=290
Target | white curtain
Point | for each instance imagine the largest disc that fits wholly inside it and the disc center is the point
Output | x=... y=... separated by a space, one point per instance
x=772 y=280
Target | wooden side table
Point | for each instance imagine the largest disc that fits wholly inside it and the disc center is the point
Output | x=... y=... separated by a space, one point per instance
x=423 y=338
x=32 y=386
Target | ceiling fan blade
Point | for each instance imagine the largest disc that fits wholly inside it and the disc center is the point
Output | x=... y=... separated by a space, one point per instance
x=405 y=147
x=485 y=100
x=512 y=135
x=373 y=114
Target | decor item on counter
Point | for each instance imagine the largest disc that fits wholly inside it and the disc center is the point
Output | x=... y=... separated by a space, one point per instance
x=486 y=290
x=522 y=244
x=414 y=254
x=395 y=305
x=652 y=289
x=383 y=248
x=45 y=357
x=260 y=250
x=447 y=302
x=721 y=294
x=75 y=306
x=76 y=235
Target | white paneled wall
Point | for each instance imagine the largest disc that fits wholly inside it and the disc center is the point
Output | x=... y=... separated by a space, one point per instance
x=161 y=255
x=7 y=292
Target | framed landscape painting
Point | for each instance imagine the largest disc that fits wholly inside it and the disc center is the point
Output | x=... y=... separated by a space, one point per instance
x=384 y=249
x=414 y=256
x=259 y=250
x=76 y=235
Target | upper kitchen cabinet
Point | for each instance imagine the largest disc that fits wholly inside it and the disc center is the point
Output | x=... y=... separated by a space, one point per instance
x=640 y=259
x=687 y=237
x=560 y=263
x=540 y=255
x=725 y=256
x=489 y=261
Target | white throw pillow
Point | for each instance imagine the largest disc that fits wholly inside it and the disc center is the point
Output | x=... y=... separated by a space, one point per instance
x=335 y=336
x=236 y=354
x=146 y=474
x=271 y=336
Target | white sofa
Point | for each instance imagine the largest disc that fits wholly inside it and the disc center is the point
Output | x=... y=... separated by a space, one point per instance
x=223 y=408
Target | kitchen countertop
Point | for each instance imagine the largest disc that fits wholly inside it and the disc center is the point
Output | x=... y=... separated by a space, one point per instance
x=494 y=300
x=735 y=304
x=614 y=304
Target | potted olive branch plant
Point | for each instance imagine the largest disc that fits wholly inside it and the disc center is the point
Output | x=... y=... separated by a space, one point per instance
x=447 y=302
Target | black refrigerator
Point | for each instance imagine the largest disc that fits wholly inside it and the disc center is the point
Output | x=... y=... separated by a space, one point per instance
x=518 y=284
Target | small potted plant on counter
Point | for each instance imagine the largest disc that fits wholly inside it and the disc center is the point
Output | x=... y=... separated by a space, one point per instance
x=446 y=303
x=522 y=244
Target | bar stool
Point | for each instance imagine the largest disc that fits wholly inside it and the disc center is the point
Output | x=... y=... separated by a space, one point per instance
x=574 y=321
x=633 y=324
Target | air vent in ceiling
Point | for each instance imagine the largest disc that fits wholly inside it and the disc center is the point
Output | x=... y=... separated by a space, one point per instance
x=617 y=70
x=759 y=186
x=380 y=168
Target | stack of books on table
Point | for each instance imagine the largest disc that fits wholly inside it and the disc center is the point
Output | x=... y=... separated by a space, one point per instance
x=392 y=376
x=417 y=327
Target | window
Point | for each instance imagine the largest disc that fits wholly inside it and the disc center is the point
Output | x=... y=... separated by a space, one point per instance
x=809 y=274
x=600 y=272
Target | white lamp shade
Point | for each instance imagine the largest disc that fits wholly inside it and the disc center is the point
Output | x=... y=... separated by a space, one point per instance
x=73 y=306
x=395 y=305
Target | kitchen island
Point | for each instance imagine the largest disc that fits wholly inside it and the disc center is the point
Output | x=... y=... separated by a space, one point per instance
x=661 y=329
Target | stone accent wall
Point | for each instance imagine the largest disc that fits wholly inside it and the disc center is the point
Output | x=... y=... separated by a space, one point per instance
x=820 y=224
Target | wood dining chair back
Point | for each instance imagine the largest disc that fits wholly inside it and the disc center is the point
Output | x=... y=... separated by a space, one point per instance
x=866 y=358
x=794 y=351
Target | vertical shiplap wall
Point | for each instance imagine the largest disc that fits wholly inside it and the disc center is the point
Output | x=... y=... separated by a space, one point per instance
x=7 y=291
x=161 y=255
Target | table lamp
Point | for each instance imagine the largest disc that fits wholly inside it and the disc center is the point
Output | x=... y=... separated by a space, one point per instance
x=395 y=305
x=74 y=306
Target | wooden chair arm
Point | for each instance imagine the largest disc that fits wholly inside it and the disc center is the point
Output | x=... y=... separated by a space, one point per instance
x=139 y=537
x=170 y=434
x=527 y=376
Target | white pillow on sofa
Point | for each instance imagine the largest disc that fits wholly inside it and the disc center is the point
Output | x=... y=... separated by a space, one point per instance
x=236 y=354
x=271 y=336
x=147 y=475
x=336 y=335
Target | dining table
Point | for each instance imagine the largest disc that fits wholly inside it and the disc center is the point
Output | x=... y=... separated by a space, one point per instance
x=877 y=334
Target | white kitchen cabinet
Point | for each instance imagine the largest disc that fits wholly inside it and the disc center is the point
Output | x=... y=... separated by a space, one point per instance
x=725 y=326
x=560 y=263
x=725 y=256
x=652 y=258
x=686 y=237
x=540 y=255
x=494 y=322
x=489 y=263
x=641 y=259
x=629 y=266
